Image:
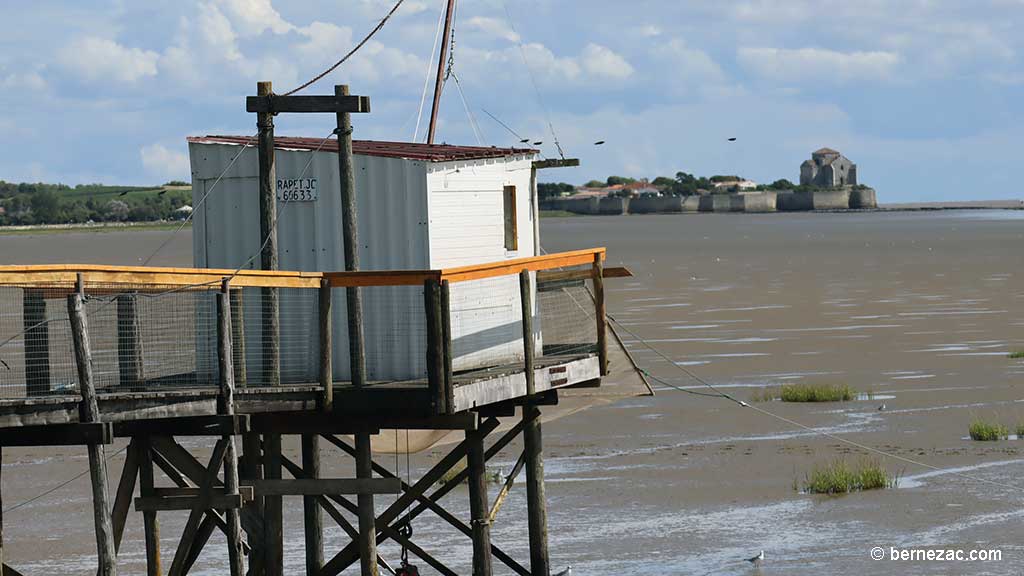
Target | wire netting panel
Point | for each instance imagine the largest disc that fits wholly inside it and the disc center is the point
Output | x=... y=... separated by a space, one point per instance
x=487 y=323
x=394 y=333
x=36 y=351
x=566 y=310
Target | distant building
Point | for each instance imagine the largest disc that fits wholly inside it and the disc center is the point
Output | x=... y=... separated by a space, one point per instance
x=736 y=185
x=827 y=168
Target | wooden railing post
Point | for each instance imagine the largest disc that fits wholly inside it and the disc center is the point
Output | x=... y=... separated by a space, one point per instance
x=526 y=301
x=89 y=412
x=37 y=342
x=326 y=346
x=446 y=346
x=129 y=343
x=599 y=314
x=435 y=346
x=238 y=336
x=226 y=406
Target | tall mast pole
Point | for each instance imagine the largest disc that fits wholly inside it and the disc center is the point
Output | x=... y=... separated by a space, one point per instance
x=439 y=84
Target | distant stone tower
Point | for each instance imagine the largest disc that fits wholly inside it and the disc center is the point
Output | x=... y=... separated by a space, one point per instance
x=827 y=168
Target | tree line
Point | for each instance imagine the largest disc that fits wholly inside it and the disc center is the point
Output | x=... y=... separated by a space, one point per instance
x=29 y=203
x=683 y=184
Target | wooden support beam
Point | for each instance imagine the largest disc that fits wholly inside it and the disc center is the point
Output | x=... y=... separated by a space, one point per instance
x=252 y=513
x=599 y=313
x=536 y=504
x=246 y=492
x=125 y=489
x=548 y=276
x=2 y=565
x=198 y=507
x=435 y=347
x=212 y=425
x=529 y=346
x=7 y=570
x=273 y=508
x=478 y=508
x=129 y=342
x=446 y=346
x=226 y=406
x=74 y=434
x=324 y=486
x=555 y=163
x=89 y=412
x=309 y=423
x=206 y=528
x=214 y=501
x=312 y=514
x=37 y=342
x=507 y=487
x=150 y=525
x=274 y=104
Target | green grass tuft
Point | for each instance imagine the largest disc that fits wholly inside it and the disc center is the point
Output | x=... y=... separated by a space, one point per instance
x=1018 y=355
x=816 y=393
x=1020 y=431
x=987 y=432
x=839 y=477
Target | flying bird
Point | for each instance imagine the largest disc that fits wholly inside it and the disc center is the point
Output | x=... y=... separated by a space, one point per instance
x=161 y=193
x=757 y=559
x=538 y=143
x=599 y=142
x=733 y=139
x=524 y=141
x=123 y=193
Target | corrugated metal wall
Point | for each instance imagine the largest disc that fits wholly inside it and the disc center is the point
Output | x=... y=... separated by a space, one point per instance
x=392 y=204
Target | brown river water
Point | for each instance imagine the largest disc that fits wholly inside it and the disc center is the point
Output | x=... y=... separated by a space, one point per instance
x=918 y=309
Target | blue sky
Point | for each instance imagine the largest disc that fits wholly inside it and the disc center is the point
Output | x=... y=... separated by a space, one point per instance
x=923 y=94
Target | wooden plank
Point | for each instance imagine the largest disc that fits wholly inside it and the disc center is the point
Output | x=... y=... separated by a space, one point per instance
x=506 y=488
x=246 y=492
x=516 y=265
x=307 y=104
x=212 y=425
x=617 y=272
x=325 y=486
x=381 y=278
x=166 y=503
x=74 y=434
x=137 y=281
x=555 y=163
x=545 y=276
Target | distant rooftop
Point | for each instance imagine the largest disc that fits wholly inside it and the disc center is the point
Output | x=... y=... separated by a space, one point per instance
x=407 y=150
x=826 y=151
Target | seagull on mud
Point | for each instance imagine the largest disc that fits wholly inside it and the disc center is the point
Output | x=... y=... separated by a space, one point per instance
x=882 y=407
x=756 y=560
x=566 y=572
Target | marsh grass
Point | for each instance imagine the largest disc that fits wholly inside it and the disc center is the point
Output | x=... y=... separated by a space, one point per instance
x=839 y=477
x=1018 y=355
x=807 y=393
x=983 y=431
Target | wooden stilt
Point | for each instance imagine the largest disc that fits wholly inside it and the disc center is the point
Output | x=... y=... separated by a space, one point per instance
x=89 y=412
x=129 y=343
x=37 y=343
x=273 y=511
x=268 y=236
x=478 y=508
x=227 y=407
x=206 y=528
x=536 y=505
x=125 y=490
x=326 y=347
x=313 y=517
x=367 y=515
x=252 y=517
x=149 y=520
x=188 y=539
x=599 y=313
x=1 y=514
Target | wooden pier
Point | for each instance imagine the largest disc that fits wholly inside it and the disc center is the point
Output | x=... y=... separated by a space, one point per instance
x=158 y=354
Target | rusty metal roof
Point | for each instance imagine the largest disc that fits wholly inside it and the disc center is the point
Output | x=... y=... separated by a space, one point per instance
x=408 y=150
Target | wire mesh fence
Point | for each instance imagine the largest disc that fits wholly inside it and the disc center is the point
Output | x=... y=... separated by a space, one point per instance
x=567 y=316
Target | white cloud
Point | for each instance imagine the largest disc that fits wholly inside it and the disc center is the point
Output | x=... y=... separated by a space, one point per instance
x=818 y=64
x=492 y=26
x=94 y=59
x=649 y=31
x=253 y=17
x=217 y=33
x=601 y=62
x=163 y=162
x=25 y=82
x=689 y=66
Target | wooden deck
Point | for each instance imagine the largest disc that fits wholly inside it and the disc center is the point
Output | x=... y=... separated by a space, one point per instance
x=409 y=398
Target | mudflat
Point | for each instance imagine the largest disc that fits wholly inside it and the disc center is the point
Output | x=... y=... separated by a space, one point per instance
x=917 y=311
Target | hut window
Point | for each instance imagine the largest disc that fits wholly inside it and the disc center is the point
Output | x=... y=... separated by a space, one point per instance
x=511 y=228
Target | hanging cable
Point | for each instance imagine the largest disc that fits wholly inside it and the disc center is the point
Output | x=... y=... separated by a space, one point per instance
x=533 y=79
x=366 y=39
x=426 y=79
x=469 y=113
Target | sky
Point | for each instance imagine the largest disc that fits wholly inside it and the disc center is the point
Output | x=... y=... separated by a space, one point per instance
x=924 y=95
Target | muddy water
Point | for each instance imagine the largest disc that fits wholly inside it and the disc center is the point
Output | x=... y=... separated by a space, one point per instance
x=918 y=309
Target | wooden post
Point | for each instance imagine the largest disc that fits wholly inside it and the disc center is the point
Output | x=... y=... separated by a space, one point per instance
x=129 y=342
x=357 y=350
x=238 y=336
x=313 y=516
x=599 y=314
x=435 y=346
x=478 y=508
x=149 y=520
x=252 y=469
x=1 y=515
x=273 y=509
x=446 y=345
x=227 y=406
x=326 y=347
x=536 y=504
x=37 y=342
x=268 y=235
x=89 y=412
x=526 y=302
x=441 y=63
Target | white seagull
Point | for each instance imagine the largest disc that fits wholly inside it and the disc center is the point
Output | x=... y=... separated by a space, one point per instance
x=757 y=559
x=566 y=572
